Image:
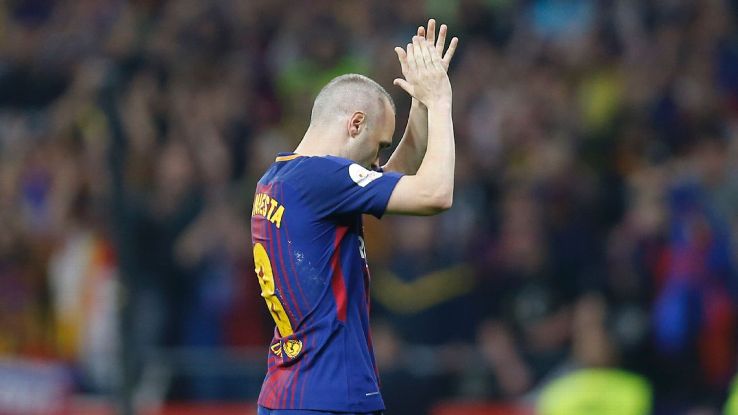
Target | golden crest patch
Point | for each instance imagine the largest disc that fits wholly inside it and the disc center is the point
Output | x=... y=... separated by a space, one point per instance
x=292 y=348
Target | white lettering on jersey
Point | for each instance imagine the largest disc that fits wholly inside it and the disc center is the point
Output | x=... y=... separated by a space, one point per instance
x=362 y=176
x=362 y=247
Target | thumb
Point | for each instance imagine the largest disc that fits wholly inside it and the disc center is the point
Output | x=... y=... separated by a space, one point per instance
x=404 y=85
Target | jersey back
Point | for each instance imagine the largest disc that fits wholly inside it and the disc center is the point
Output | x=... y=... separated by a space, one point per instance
x=310 y=260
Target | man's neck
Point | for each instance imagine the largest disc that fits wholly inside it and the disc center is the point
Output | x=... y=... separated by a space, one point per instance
x=320 y=143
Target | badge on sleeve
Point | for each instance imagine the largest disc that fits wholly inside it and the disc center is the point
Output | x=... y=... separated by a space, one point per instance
x=362 y=176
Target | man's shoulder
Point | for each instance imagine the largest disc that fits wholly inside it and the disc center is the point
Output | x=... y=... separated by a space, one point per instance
x=334 y=160
x=304 y=174
x=312 y=168
x=300 y=161
x=321 y=173
x=322 y=164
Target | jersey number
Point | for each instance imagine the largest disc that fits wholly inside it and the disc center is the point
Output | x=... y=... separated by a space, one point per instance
x=266 y=281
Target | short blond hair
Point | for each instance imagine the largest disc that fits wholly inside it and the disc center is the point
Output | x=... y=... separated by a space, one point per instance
x=346 y=94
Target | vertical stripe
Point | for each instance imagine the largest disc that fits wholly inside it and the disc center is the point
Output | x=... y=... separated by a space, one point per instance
x=339 y=293
x=337 y=282
x=268 y=389
x=278 y=283
x=305 y=380
x=367 y=296
x=278 y=376
x=284 y=268
x=292 y=264
x=305 y=355
x=282 y=398
x=288 y=389
x=284 y=273
x=295 y=378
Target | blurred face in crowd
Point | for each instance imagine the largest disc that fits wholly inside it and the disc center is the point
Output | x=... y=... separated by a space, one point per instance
x=175 y=171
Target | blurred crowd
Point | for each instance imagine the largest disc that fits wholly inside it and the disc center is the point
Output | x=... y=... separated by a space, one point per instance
x=594 y=225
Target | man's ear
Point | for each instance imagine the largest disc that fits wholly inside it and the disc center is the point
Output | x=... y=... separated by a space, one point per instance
x=356 y=123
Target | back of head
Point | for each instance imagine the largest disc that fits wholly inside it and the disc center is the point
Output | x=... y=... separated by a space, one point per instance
x=347 y=94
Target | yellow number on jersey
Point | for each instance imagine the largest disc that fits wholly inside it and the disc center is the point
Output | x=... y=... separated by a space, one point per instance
x=266 y=281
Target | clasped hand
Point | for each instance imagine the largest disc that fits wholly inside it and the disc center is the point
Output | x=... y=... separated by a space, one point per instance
x=423 y=66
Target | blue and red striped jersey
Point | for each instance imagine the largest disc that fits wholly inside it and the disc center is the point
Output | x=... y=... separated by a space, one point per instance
x=310 y=259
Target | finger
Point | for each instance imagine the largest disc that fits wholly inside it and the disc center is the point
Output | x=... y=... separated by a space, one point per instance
x=435 y=58
x=431 y=35
x=450 y=51
x=418 y=53
x=404 y=85
x=421 y=31
x=426 y=54
x=441 y=42
x=412 y=64
x=402 y=57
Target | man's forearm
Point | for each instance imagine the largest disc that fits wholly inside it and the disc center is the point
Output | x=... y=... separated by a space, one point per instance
x=437 y=168
x=430 y=190
x=409 y=153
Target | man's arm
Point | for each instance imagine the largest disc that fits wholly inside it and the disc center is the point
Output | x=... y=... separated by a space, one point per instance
x=410 y=150
x=409 y=153
x=430 y=191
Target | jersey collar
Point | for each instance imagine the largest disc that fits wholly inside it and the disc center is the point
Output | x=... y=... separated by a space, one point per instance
x=286 y=156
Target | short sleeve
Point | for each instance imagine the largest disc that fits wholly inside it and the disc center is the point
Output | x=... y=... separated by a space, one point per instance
x=334 y=186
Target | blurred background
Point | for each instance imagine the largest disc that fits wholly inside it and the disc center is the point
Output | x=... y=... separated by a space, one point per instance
x=588 y=265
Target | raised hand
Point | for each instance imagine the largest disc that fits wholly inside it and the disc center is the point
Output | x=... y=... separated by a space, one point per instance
x=430 y=35
x=425 y=76
x=412 y=149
